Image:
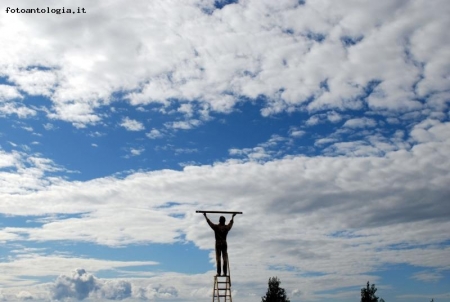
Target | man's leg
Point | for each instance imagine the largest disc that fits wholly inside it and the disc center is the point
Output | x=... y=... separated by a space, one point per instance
x=218 y=252
x=225 y=258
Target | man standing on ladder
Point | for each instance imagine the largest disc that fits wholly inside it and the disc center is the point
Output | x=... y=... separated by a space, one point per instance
x=220 y=231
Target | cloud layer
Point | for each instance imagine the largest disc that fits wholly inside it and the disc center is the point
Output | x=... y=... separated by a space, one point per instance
x=337 y=218
x=300 y=56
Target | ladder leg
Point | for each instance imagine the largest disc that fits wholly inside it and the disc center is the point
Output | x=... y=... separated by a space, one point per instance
x=215 y=289
x=229 y=288
x=229 y=280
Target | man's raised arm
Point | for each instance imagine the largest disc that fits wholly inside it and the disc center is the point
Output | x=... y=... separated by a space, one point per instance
x=230 y=224
x=212 y=225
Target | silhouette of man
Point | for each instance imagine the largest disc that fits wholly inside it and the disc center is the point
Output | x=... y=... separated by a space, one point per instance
x=220 y=232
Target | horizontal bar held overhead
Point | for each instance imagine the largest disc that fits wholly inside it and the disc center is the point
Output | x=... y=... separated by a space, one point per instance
x=221 y=212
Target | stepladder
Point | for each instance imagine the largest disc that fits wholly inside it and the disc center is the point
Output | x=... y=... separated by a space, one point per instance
x=222 y=288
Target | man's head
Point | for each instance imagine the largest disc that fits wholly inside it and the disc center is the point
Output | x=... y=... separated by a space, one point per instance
x=222 y=220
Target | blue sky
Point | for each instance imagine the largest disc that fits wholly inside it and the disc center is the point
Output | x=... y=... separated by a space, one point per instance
x=327 y=123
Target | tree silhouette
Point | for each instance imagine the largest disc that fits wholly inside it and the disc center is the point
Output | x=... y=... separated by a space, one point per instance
x=368 y=293
x=275 y=293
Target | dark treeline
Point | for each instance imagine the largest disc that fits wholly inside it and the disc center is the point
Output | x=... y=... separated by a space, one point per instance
x=275 y=293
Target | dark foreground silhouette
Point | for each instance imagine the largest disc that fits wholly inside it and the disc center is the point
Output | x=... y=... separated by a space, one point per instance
x=221 y=231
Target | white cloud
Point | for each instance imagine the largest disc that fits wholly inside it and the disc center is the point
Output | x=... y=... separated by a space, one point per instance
x=132 y=125
x=38 y=265
x=393 y=120
x=136 y=152
x=8 y=92
x=29 y=129
x=323 y=141
x=297 y=133
x=78 y=113
x=24 y=295
x=97 y=207
x=49 y=126
x=313 y=120
x=353 y=148
x=27 y=172
x=79 y=285
x=428 y=276
x=186 y=109
x=115 y=290
x=155 y=291
x=154 y=134
x=334 y=117
x=253 y=154
x=96 y=134
x=8 y=159
x=360 y=123
x=429 y=130
x=185 y=150
x=35 y=81
x=184 y=125
x=83 y=285
x=330 y=116
x=274 y=147
x=12 y=108
x=325 y=56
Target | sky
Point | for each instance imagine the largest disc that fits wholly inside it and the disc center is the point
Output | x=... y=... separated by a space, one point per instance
x=325 y=122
